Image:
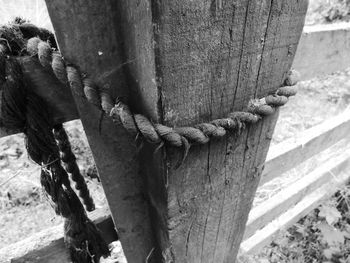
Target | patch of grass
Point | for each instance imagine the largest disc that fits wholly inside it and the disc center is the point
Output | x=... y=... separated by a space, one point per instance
x=321 y=236
x=315 y=238
x=24 y=208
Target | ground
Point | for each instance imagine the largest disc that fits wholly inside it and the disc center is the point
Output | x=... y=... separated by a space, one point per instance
x=324 y=234
x=328 y=11
x=24 y=209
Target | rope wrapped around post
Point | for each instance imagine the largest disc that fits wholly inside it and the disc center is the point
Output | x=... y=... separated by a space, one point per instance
x=155 y=133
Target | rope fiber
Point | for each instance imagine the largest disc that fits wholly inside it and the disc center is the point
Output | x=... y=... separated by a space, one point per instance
x=48 y=146
x=139 y=125
x=71 y=166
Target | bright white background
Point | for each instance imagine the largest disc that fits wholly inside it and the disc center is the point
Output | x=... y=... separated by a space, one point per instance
x=33 y=10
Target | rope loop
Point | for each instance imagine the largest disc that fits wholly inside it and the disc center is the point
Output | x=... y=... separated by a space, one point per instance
x=138 y=124
x=158 y=134
x=47 y=144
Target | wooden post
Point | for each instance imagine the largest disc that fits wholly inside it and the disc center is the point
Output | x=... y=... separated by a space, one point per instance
x=87 y=34
x=185 y=62
x=211 y=58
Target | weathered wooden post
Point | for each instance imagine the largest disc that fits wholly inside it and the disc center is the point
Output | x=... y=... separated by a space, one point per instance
x=87 y=34
x=180 y=62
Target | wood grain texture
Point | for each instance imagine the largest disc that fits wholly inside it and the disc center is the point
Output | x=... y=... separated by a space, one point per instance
x=87 y=34
x=188 y=61
x=135 y=20
x=326 y=45
x=212 y=57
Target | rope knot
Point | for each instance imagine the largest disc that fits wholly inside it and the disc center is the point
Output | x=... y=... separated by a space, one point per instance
x=47 y=144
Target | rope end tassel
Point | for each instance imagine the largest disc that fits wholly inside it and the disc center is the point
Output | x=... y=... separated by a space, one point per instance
x=47 y=144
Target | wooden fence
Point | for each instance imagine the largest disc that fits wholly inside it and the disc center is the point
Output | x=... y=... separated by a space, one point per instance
x=300 y=197
x=322 y=50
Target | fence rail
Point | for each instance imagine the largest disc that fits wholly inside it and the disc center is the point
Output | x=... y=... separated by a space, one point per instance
x=292 y=152
x=331 y=176
x=295 y=201
x=323 y=49
x=47 y=246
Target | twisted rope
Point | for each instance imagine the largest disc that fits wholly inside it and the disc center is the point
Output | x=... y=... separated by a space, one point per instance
x=155 y=133
x=12 y=40
x=23 y=110
x=138 y=124
x=71 y=166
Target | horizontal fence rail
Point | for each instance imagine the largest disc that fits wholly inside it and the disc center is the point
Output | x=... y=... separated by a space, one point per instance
x=323 y=49
x=287 y=211
x=294 y=193
x=296 y=200
x=47 y=246
x=292 y=152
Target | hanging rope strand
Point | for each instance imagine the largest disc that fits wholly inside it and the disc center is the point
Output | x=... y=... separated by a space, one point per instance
x=22 y=109
x=71 y=166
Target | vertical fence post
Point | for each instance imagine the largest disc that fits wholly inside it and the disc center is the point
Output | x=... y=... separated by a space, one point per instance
x=87 y=35
x=185 y=62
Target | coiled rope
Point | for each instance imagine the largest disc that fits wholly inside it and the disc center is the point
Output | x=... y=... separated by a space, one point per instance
x=21 y=109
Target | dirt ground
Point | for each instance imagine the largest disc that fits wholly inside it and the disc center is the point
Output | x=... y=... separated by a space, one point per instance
x=24 y=209
x=328 y=11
